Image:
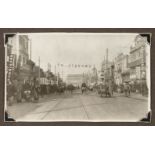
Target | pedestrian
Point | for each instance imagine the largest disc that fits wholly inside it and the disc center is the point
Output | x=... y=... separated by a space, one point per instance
x=110 y=88
x=119 y=89
x=27 y=90
x=11 y=92
x=127 y=89
x=19 y=92
x=106 y=89
x=36 y=90
x=83 y=87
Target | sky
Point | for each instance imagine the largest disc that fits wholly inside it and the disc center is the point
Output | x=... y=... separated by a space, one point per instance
x=78 y=48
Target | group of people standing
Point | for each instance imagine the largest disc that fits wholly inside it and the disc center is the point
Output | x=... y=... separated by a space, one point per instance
x=129 y=87
x=31 y=90
x=105 y=89
x=18 y=90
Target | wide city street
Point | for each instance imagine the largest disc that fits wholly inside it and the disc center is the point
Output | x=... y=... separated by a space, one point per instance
x=82 y=107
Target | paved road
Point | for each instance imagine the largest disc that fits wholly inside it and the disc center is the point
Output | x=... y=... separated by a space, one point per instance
x=88 y=107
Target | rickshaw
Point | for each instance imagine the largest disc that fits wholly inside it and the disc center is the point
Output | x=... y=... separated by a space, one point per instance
x=103 y=90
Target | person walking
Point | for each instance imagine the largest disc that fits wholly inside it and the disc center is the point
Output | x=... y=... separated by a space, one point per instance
x=106 y=88
x=110 y=88
x=36 y=90
x=83 y=87
x=127 y=89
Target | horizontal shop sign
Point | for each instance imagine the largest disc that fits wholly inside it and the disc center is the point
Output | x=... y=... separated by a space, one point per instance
x=135 y=63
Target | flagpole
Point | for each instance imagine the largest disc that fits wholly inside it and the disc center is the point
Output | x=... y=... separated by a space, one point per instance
x=55 y=69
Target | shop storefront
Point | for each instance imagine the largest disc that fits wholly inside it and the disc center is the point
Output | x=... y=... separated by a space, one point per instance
x=126 y=76
x=25 y=73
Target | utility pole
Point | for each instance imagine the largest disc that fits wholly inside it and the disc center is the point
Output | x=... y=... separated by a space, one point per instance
x=30 y=49
x=62 y=74
x=107 y=58
x=57 y=78
x=107 y=64
x=55 y=69
x=39 y=70
x=104 y=64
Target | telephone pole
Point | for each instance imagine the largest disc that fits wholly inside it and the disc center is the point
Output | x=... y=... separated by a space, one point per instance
x=107 y=58
x=55 y=70
x=58 y=78
x=39 y=70
x=30 y=49
x=107 y=64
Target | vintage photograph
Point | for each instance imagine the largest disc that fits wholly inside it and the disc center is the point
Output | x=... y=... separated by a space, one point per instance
x=86 y=77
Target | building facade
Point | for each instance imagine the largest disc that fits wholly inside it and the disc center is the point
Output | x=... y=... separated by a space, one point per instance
x=118 y=69
x=125 y=69
x=138 y=63
x=122 y=73
x=107 y=71
x=93 y=75
x=17 y=48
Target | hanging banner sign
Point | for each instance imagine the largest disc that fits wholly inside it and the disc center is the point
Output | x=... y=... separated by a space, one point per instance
x=75 y=65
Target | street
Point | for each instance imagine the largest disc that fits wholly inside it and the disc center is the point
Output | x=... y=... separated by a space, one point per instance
x=84 y=107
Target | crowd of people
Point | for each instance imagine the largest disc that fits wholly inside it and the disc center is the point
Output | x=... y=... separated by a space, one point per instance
x=32 y=90
x=18 y=90
x=107 y=88
x=133 y=87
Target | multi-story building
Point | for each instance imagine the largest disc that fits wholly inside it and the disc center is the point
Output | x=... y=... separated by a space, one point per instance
x=107 y=71
x=17 y=48
x=125 y=69
x=137 y=60
x=23 y=49
x=118 y=69
x=139 y=64
x=94 y=75
x=122 y=73
x=10 y=57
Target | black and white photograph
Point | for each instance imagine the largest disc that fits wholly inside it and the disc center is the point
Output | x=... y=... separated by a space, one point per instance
x=80 y=77
x=77 y=77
